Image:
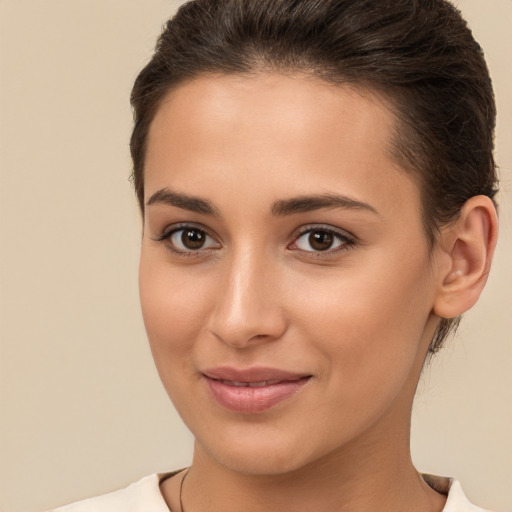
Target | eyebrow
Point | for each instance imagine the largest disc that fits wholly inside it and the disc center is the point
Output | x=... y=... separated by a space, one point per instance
x=280 y=208
x=304 y=204
x=184 y=201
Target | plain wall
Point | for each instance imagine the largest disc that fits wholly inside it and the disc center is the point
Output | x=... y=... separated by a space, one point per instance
x=81 y=409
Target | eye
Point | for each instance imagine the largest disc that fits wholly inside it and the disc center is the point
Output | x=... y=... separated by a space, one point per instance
x=188 y=239
x=321 y=240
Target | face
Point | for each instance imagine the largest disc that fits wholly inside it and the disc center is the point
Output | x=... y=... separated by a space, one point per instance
x=285 y=279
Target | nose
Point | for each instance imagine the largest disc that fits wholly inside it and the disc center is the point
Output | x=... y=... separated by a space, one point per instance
x=247 y=310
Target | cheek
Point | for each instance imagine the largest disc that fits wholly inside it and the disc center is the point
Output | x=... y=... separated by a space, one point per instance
x=172 y=308
x=368 y=324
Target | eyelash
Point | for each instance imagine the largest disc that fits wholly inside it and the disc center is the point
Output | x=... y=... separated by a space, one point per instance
x=346 y=241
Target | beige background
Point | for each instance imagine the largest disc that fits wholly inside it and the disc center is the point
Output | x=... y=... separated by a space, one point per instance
x=82 y=411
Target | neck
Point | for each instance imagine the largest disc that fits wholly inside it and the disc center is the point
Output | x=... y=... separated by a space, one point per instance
x=342 y=482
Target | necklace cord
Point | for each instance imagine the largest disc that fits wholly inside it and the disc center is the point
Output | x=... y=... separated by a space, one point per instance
x=181 y=491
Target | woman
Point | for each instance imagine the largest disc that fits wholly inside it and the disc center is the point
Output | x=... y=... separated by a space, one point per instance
x=316 y=180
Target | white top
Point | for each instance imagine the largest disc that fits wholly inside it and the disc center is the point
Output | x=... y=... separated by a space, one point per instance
x=145 y=496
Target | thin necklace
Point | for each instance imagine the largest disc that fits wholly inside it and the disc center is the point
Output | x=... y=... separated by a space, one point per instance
x=181 y=492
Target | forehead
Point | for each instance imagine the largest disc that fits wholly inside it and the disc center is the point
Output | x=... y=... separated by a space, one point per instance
x=269 y=132
x=263 y=105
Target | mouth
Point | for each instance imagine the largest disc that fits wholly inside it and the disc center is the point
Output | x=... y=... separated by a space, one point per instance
x=252 y=390
x=261 y=384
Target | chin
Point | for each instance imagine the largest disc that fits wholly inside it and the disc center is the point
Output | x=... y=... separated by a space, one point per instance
x=258 y=456
x=259 y=464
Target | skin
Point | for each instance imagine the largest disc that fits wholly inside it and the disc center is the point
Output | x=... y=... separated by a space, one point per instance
x=357 y=318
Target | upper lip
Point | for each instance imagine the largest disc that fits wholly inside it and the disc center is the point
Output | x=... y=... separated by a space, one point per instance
x=254 y=374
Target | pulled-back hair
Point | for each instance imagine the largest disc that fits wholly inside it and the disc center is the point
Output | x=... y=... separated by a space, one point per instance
x=418 y=54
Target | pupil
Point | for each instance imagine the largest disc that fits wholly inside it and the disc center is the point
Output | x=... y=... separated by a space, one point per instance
x=192 y=239
x=321 y=240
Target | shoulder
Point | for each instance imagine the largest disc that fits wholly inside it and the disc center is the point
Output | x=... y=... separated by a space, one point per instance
x=456 y=500
x=140 y=496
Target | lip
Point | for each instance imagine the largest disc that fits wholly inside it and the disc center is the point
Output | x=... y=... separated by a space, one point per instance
x=252 y=390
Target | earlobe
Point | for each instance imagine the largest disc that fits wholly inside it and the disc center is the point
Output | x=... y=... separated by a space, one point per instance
x=469 y=245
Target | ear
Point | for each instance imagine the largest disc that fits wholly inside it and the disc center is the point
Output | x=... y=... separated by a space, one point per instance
x=467 y=247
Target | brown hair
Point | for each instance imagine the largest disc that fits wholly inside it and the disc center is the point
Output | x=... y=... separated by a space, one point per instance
x=420 y=54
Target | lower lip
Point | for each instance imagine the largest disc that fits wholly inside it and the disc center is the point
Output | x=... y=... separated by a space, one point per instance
x=248 y=399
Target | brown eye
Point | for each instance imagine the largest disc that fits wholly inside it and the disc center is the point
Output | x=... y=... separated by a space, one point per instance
x=193 y=239
x=321 y=240
x=190 y=239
